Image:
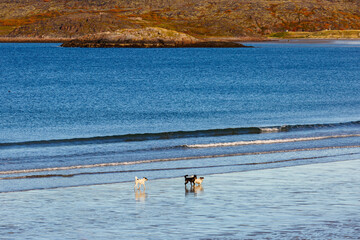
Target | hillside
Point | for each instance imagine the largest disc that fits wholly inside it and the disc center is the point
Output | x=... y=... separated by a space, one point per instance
x=199 y=18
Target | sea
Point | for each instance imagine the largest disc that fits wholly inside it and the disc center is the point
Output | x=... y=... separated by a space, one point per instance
x=89 y=116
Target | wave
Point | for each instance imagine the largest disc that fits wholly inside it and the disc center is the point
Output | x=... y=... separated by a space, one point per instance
x=268 y=141
x=194 y=146
x=100 y=165
x=175 y=135
x=176 y=168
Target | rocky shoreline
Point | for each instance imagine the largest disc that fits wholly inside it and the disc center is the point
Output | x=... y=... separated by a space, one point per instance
x=150 y=37
x=155 y=44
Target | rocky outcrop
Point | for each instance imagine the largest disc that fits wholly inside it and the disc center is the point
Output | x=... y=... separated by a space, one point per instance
x=149 y=37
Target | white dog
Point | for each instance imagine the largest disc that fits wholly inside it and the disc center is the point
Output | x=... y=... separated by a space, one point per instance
x=198 y=181
x=139 y=182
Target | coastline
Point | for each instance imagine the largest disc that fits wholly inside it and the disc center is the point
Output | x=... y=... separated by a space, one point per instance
x=211 y=39
x=33 y=40
x=312 y=40
x=155 y=44
x=62 y=40
x=308 y=201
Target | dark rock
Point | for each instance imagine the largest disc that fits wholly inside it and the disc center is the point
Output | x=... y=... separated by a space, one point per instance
x=76 y=43
x=146 y=38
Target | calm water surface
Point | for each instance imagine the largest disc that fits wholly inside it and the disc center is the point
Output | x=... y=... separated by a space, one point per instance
x=302 y=202
x=71 y=116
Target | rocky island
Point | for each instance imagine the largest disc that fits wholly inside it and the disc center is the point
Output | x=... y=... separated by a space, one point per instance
x=149 y=37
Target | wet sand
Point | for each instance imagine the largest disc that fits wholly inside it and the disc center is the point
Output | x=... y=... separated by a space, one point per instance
x=318 y=201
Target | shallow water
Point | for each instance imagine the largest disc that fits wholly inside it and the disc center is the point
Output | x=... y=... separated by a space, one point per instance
x=318 y=201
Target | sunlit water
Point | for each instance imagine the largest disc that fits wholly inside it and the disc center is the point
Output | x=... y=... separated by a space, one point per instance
x=318 y=201
x=282 y=120
x=71 y=116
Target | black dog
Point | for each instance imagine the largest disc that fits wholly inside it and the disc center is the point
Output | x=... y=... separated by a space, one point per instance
x=190 y=179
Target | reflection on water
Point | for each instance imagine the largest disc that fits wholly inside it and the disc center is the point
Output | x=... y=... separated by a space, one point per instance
x=194 y=189
x=316 y=201
x=140 y=196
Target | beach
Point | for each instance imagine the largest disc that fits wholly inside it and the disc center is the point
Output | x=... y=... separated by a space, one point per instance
x=317 y=201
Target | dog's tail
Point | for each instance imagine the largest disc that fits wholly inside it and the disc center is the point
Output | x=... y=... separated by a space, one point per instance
x=186 y=176
x=136 y=178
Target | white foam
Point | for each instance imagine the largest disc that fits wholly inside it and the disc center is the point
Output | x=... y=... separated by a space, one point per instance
x=268 y=141
x=270 y=129
x=97 y=165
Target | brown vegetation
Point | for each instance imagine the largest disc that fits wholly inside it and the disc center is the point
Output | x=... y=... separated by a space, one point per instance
x=201 y=18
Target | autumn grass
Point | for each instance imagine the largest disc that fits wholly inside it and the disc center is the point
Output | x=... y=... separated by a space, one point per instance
x=4 y=30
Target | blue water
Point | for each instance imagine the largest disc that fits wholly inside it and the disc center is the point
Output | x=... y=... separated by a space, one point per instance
x=139 y=109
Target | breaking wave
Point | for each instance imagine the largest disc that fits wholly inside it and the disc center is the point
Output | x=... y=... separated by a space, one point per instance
x=174 y=135
x=268 y=141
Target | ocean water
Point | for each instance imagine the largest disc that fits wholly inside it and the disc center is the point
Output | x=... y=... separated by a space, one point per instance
x=73 y=116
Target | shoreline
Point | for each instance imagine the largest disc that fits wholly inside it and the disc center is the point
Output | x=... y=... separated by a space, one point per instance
x=240 y=40
x=62 y=40
x=130 y=182
x=34 y=40
x=312 y=40
x=145 y=44
x=54 y=39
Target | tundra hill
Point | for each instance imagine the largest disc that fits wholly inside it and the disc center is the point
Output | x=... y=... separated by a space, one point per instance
x=199 y=18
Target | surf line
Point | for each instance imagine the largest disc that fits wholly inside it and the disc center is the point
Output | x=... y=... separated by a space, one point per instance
x=267 y=141
x=170 y=159
x=178 y=168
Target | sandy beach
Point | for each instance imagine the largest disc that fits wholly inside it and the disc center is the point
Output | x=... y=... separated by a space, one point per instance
x=318 y=201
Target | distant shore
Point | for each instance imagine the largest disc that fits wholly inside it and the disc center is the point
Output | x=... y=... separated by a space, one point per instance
x=63 y=40
x=33 y=40
x=325 y=34
x=155 y=44
x=308 y=40
x=275 y=40
x=209 y=39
